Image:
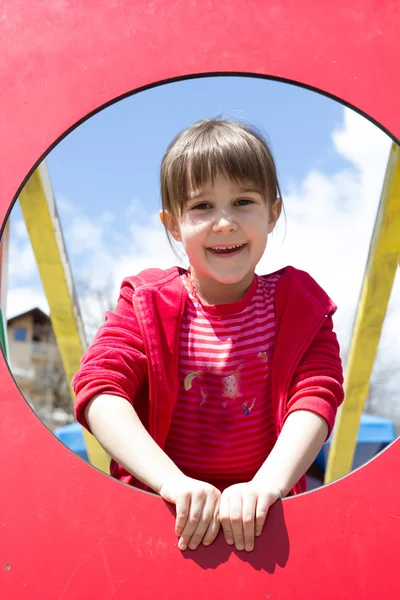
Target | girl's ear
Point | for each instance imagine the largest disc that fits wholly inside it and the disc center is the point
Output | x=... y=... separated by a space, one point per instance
x=169 y=223
x=275 y=212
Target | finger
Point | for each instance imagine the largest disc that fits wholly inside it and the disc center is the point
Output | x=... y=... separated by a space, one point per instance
x=248 y=519
x=182 y=511
x=263 y=504
x=213 y=527
x=195 y=510
x=203 y=523
x=224 y=518
x=236 y=519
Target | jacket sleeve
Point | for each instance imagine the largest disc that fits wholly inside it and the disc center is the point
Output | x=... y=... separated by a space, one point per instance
x=115 y=363
x=317 y=384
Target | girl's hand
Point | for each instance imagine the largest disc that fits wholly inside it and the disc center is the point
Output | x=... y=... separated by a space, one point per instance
x=243 y=510
x=197 y=510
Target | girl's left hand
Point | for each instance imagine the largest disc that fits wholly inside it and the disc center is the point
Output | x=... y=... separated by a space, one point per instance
x=243 y=510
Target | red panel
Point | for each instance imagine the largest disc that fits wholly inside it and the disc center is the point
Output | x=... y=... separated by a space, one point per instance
x=67 y=531
x=4 y=269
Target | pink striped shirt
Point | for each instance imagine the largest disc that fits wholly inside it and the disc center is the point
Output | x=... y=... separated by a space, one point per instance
x=222 y=426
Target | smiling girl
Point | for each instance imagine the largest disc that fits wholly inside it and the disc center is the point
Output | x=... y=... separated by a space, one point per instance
x=213 y=386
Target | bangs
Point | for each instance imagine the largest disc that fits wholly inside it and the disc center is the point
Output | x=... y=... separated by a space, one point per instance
x=216 y=148
x=209 y=161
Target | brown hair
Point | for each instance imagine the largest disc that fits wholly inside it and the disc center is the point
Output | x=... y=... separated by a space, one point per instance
x=215 y=147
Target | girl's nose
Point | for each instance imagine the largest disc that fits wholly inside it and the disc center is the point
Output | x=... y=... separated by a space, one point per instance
x=224 y=223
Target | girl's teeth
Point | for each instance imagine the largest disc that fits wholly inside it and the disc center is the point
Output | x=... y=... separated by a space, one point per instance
x=227 y=247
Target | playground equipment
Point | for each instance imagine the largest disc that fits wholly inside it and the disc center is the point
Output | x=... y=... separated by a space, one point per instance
x=40 y=213
x=375 y=292
x=67 y=530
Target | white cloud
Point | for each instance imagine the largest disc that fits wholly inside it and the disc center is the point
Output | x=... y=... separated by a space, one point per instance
x=146 y=247
x=136 y=212
x=150 y=246
x=20 y=229
x=99 y=278
x=22 y=299
x=363 y=144
x=22 y=264
x=330 y=218
x=64 y=206
x=84 y=235
x=107 y=217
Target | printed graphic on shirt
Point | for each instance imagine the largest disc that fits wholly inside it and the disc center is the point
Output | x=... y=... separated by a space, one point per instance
x=189 y=379
x=231 y=384
x=248 y=408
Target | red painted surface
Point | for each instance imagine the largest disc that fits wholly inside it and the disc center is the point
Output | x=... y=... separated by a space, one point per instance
x=4 y=269
x=66 y=530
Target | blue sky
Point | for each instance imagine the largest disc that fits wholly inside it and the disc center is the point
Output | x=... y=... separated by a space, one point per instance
x=115 y=155
x=110 y=163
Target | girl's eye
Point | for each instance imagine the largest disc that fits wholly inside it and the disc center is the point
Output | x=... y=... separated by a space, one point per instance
x=201 y=206
x=206 y=205
x=244 y=201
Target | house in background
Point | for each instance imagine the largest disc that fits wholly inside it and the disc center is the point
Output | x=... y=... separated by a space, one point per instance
x=36 y=365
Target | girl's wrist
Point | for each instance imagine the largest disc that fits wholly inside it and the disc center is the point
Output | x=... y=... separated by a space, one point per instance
x=271 y=485
x=175 y=473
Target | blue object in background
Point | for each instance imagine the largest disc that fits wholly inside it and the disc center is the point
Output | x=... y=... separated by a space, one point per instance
x=72 y=437
x=374 y=434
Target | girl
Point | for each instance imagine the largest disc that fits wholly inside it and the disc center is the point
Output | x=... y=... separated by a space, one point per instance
x=213 y=386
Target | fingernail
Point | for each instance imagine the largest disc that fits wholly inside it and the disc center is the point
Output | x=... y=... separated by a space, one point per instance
x=249 y=547
x=230 y=541
x=182 y=545
x=240 y=547
x=192 y=546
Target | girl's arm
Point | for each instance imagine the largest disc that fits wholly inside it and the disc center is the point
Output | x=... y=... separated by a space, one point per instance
x=296 y=448
x=115 y=362
x=112 y=372
x=114 y=422
x=244 y=506
x=315 y=393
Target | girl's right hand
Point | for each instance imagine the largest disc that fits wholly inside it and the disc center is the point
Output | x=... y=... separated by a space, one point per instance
x=197 y=510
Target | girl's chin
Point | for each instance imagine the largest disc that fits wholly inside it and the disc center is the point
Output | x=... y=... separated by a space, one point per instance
x=221 y=275
x=233 y=279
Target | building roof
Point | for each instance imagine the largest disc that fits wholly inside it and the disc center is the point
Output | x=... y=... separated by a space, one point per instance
x=38 y=316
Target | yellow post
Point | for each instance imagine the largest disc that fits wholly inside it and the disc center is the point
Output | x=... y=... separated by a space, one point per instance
x=378 y=281
x=44 y=228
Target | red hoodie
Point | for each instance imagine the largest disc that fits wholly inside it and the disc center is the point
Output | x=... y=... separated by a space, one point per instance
x=135 y=353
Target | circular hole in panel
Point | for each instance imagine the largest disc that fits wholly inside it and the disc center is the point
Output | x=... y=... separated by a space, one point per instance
x=105 y=177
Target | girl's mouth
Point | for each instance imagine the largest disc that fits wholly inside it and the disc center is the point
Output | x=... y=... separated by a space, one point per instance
x=227 y=250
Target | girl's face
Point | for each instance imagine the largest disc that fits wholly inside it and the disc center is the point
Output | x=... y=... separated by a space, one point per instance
x=224 y=229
